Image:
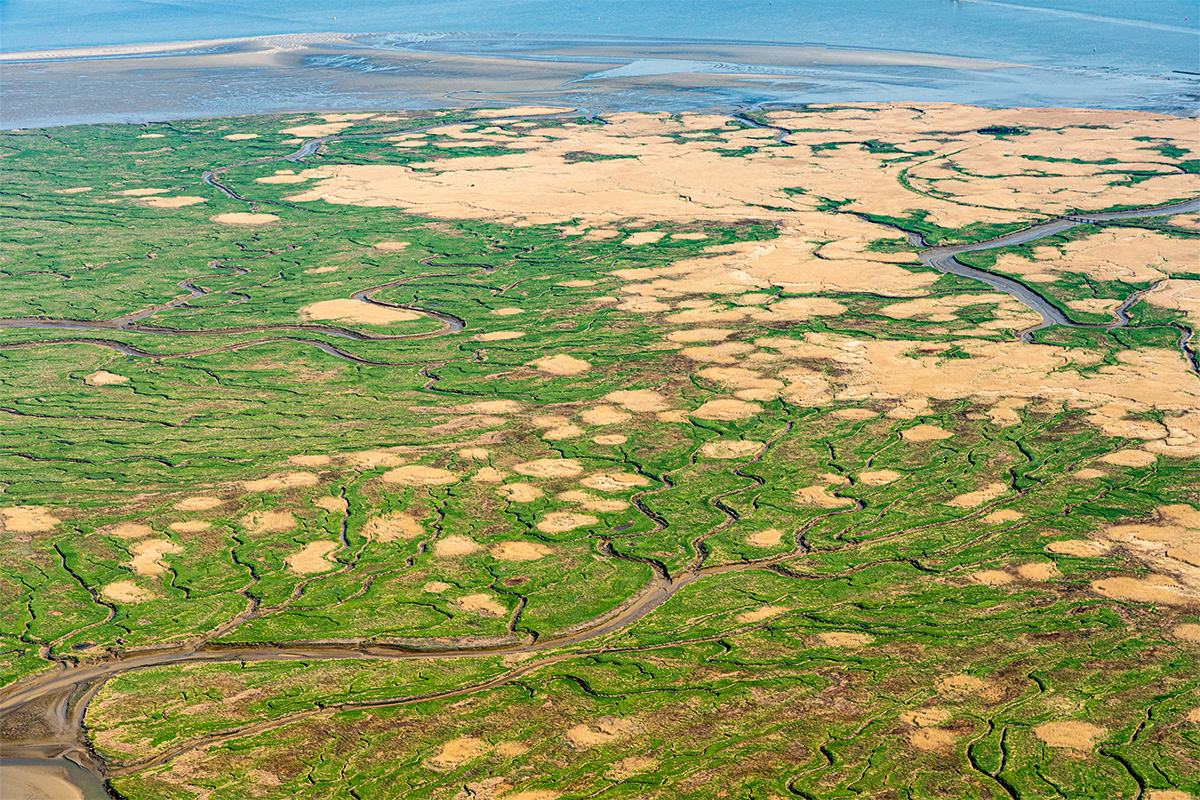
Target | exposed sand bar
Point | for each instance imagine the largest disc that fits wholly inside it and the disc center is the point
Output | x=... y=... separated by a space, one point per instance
x=48 y=779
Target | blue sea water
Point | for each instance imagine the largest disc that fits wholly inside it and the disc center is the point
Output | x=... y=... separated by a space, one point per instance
x=1134 y=36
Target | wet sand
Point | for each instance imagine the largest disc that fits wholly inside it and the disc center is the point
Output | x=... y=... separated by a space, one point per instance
x=47 y=779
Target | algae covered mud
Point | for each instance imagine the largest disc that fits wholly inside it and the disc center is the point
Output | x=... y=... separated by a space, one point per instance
x=549 y=453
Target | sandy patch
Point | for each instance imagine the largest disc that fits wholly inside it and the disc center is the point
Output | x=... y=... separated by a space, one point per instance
x=489 y=475
x=1178 y=294
x=610 y=439
x=844 y=639
x=1129 y=458
x=980 y=496
x=239 y=137
x=759 y=614
x=925 y=717
x=932 y=739
x=771 y=537
x=1080 y=548
x=393 y=526
x=174 y=202
x=190 y=526
x=370 y=459
x=1071 y=734
x=476 y=453
x=1186 y=632
x=1039 y=571
x=198 y=504
x=126 y=592
x=498 y=336
x=590 y=502
x=731 y=448
x=519 y=551
x=637 y=400
x=550 y=468
x=962 y=684
x=147 y=554
x=315 y=129
x=348 y=310
x=454 y=546
x=819 y=496
x=632 y=765
x=533 y=794
x=643 y=237
x=925 y=433
x=603 y=415
x=313 y=558
x=855 y=414
x=699 y=335
x=74 y=190
x=1158 y=590
x=269 y=521
x=390 y=247
x=321 y=270
x=436 y=587
x=283 y=178
x=614 y=481
x=418 y=475
x=279 y=481
x=726 y=409
x=563 y=432
x=1088 y=474
x=878 y=477
x=457 y=752
x=483 y=604
x=309 y=460
x=521 y=492
x=28 y=519
x=561 y=364
x=142 y=192
x=580 y=284
x=103 y=378
x=560 y=521
x=128 y=530
x=510 y=311
x=602 y=732
x=992 y=577
x=244 y=218
x=1002 y=516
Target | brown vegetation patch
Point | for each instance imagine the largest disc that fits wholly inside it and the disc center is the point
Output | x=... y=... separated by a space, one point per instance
x=925 y=433
x=932 y=739
x=457 y=752
x=610 y=439
x=179 y=201
x=1071 y=734
x=591 y=502
x=1039 y=571
x=604 y=731
x=313 y=558
x=519 y=551
x=563 y=432
x=498 y=336
x=844 y=639
x=1159 y=590
x=489 y=475
x=419 y=475
x=637 y=400
x=392 y=526
x=1186 y=632
x=1089 y=474
x=992 y=577
x=855 y=414
x=269 y=521
x=198 y=503
x=335 y=505
x=731 y=448
x=819 y=496
x=128 y=530
x=190 y=526
x=309 y=460
x=390 y=247
x=614 y=481
x=1080 y=548
x=699 y=335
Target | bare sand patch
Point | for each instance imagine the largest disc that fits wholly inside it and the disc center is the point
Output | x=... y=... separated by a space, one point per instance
x=844 y=639
x=303 y=460
x=28 y=519
x=819 y=496
x=962 y=684
x=281 y=178
x=1080 y=548
x=726 y=409
x=510 y=311
x=279 y=481
x=489 y=407
x=854 y=414
x=925 y=717
x=731 y=448
x=147 y=555
x=348 y=310
x=1071 y=734
x=239 y=137
x=483 y=604
x=560 y=521
x=878 y=477
x=436 y=587
x=390 y=247
x=637 y=400
x=643 y=237
x=370 y=459
x=533 y=794
x=1002 y=516
x=489 y=475
x=321 y=270
x=1129 y=458
x=315 y=129
x=73 y=190
x=632 y=765
x=1159 y=590
x=198 y=503
x=563 y=432
x=1186 y=632
x=1179 y=294
x=579 y=284
x=103 y=378
x=498 y=336
x=925 y=433
x=980 y=496
x=550 y=468
x=126 y=592
x=992 y=577
x=1039 y=571
x=561 y=364
x=392 y=526
x=142 y=192
x=699 y=335
x=771 y=537
x=313 y=558
x=128 y=530
x=457 y=752
x=521 y=492
x=602 y=732
x=724 y=353
x=610 y=439
x=591 y=502
x=614 y=481
x=244 y=218
x=689 y=236
x=179 y=201
x=932 y=739
x=190 y=526
x=759 y=614
x=603 y=415
x=269 y=521
x=419 y=475
x=1088 y=474
x=476 y=453
x=519 y=551
x=455 y=545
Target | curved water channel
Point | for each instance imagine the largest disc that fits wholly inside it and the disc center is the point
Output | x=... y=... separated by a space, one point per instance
x=56 y=701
